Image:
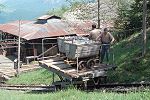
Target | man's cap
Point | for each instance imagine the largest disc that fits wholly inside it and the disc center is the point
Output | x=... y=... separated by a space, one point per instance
x=105 y=30
x=93 y=25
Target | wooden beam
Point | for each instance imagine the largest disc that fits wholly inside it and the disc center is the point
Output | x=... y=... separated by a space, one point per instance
x=18 y=68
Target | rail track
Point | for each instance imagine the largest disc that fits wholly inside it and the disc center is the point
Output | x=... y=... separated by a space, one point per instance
x=123 y=88
x=28 y=88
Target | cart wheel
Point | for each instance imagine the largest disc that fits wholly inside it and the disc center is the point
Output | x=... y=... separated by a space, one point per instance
x=81 y=65
x=90 y=63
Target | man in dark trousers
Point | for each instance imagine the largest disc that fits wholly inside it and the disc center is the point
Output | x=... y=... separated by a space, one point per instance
x=106 y=39
x=94 y=33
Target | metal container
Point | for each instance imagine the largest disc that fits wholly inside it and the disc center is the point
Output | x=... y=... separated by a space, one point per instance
x=60 y=41
x=81 y=48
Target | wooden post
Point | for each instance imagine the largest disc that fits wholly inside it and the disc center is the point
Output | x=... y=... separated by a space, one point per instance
x=34 y=52
x=77 y=60
x=43 y=49
x=144 y=27
x=99 y=14
x=18 y=50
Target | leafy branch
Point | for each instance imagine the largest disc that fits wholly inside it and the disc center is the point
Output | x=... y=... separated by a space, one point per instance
x=2 y=7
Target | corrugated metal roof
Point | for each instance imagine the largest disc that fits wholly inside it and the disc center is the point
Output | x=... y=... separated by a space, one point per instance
x=46 y=17
x=54 y=27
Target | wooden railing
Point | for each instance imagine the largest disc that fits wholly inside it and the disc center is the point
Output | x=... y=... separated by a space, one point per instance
x=50 y=49
x=42 y=55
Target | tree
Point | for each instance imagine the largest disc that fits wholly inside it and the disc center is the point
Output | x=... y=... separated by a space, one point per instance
x=1 y=7
x=132 y=18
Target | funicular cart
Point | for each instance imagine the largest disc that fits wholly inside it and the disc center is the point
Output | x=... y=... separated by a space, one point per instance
x=77 y=62
x=79 y=51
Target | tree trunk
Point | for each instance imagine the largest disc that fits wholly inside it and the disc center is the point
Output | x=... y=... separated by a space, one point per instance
x=144 y=27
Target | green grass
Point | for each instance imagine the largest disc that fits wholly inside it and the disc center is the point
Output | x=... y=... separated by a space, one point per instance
x=130 y=66
x=73 y=94
x=37 y=77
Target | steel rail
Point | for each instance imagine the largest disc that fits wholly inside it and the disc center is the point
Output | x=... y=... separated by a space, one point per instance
x=120 y=88
x=112 y=87
x=28 y=88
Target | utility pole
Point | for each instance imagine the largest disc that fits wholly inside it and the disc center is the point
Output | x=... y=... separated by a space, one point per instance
x=43 y=48
x=144 y=27
x=18 y=49
x=99 y=14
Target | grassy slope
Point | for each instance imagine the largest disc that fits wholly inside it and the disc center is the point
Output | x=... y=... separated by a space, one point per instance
x=40 y=76
x=130 y=66
x=73 y=94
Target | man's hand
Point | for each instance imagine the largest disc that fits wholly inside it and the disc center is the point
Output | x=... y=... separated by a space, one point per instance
x=111 y=42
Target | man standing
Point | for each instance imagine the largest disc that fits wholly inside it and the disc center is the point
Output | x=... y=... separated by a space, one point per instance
x=94 y=33
x=106 y=39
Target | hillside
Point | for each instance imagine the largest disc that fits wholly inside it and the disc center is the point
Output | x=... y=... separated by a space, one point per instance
x=108 y=12
x=131 y=67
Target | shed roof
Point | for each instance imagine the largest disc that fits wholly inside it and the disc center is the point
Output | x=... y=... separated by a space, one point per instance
x=54 y=27
x=46 y=17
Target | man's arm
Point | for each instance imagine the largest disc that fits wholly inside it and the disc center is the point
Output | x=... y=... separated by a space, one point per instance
x=112 y=38
x=90 y=35
x=99 y=37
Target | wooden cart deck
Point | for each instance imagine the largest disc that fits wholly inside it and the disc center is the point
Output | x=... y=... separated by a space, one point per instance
x=58 y=66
